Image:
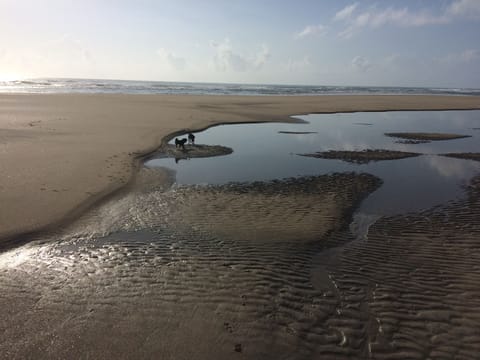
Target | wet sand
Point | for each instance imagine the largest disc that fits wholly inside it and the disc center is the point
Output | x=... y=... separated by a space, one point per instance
x=426 y=136
x=410 y=289
x=60 y=154
x=193 y=272
x=466 y=156
x=297 y=132
x=190 y=151
x=362 y=157
x=166 y=272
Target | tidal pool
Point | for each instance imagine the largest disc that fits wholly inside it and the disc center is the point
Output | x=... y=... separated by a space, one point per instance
x=270 y=151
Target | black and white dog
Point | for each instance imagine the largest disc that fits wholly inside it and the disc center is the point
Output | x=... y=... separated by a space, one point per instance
x=180 y=143
x=191 y=139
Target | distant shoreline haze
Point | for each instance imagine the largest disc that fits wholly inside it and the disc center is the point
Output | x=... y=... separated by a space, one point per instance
x=61 y=85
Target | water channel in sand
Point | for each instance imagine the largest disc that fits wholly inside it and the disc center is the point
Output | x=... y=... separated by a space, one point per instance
x=270 y=151
x=208 y=268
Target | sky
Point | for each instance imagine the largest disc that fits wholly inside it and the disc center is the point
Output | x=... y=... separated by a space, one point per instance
x=359 y=43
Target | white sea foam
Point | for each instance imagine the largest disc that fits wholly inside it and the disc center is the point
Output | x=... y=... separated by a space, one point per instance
x=56 y=85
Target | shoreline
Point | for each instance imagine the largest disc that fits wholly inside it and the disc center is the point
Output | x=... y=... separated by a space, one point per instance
x=66 y=153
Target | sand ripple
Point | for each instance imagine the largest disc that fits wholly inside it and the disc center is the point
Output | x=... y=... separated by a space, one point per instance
x=262 y=270
x=192 y=272
x=412 y=286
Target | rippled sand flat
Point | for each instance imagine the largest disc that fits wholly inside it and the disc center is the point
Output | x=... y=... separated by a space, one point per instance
x=183 y=280
x=411 y=288
x=257 y=270
x=297 y=268
x=293 y=210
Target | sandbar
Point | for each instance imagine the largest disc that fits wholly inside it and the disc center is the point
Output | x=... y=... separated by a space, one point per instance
x=297 y=132
x=191 y=151
x=426 y=137
x=363 y=156
x=466 y=156
x=62 y=153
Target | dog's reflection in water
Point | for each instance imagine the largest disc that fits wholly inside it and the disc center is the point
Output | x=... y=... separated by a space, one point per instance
x=177 y=159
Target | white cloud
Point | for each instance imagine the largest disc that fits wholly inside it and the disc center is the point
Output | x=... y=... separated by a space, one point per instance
x=311 y=30
x=347 y=33
x=362 y=64
x=227 y=59
x=399 y=60
x=464 y=57
x=261 y=57
x=375 y=18
x=470 y=55
x=346 y=12
x=405 y=18
x=299 y=64
x=171 y=59
x=466 y=8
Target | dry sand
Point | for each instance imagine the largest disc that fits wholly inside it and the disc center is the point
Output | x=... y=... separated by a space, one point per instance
x=59 y=154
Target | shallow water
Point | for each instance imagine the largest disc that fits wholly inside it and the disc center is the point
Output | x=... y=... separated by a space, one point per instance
x=262 y=153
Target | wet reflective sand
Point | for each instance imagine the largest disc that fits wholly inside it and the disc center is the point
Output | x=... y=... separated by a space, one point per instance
x=211 y=271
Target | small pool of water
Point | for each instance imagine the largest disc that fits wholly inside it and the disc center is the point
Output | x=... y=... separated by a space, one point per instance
x=262 y=152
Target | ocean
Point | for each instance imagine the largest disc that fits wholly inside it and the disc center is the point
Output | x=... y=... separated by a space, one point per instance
x=92 y=86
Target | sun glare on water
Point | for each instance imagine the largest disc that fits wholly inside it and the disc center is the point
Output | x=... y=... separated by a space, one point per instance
x=9 y=77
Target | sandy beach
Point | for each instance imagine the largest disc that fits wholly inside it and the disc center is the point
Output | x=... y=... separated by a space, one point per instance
x=59 y=154
x=106 y=258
